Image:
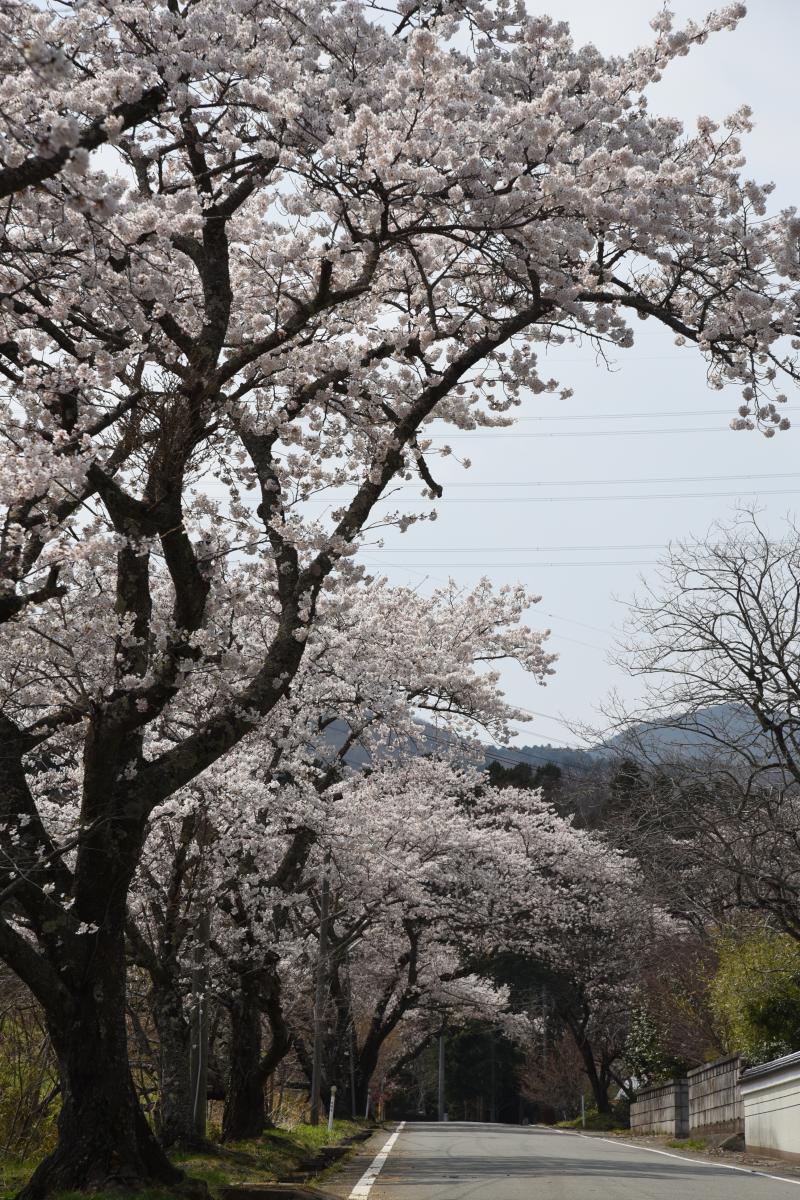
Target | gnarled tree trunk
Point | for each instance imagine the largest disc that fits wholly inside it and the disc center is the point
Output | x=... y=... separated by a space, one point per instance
x=175 y=1113
x=104 y=1139
x=245 y=1113
x=598 y=1079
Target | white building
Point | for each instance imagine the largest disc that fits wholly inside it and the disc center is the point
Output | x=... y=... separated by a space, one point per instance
x=771 y=1096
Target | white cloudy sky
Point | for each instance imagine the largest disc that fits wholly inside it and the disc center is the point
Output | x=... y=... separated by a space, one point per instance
x=538 y=507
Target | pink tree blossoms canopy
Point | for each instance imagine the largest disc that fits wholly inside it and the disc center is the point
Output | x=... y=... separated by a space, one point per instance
x=244 y=843
x=248 y=251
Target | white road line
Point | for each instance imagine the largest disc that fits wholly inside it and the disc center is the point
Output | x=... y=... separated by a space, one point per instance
x=700 y=1162
x=364 y=1186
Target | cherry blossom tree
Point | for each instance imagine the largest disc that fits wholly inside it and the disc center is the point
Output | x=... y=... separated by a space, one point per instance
x=248 y=252
x=169 y=902
x=377 y=657
x=493 y=879
x=576 y=928
x=415 y=880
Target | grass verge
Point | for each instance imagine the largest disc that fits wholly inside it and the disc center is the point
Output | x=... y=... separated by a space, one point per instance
x=687 y=1143
x=595 y=1123
x=277 y=1154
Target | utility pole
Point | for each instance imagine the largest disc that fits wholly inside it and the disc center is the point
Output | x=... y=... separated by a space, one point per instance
x=441 y=1076
x=492 y=1080
x=319 y=992
x=351 y=1039
x=198 y=1045
x=352 y=1063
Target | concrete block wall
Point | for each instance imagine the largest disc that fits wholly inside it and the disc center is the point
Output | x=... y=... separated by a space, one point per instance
x=715 y=1100
x=662 y=1109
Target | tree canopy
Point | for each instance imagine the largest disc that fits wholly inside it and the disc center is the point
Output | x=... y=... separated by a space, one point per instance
x=248 y=252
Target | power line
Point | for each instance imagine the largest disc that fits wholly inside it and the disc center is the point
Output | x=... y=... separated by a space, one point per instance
x=563 y=637
x=498 y=752
x=537 y=483
x=333 y=500
x=502 y=549
x=532 y=712
x=628 y=416
x=508 y=432
x=572 y=621
x=623 y=562
x=581 y=433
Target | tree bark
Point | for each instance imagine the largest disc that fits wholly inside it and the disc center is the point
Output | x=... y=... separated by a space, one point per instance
x=245 y=1114
x=175 y=1100
x=104 y=1140
x=259 y=992
x=599 y=1090
x=366 y=1065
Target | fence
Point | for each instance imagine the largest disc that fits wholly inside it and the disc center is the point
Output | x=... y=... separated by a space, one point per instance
x=715 y=1100
x=662 y=1109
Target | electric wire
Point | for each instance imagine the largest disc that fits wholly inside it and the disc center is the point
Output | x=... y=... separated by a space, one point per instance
x=505 y=549
x=537 y=483
x=332 y=500
x=628 y=416
x=623 y=562
x=575 y=433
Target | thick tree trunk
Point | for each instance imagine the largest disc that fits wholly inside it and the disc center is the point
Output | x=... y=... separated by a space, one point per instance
x=599 y=1090
x=281 y=1040
x=366 y=1065
x=104 y=1140
x=175 y=1114
x=245 y=1113
x=338 y=1048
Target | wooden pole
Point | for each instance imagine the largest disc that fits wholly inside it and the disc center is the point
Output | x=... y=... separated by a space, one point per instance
x=319 y=993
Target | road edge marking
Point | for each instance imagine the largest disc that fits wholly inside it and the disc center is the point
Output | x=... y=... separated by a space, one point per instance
x=703 y=1162
x=364 y=1186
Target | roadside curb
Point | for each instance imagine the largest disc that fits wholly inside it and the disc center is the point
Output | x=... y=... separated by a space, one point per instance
x=346 y=1177
x=743 y=1168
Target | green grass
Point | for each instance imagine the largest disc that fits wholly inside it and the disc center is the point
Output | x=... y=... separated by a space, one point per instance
x=278 y=1153
x=595 y=1123
x=687 y=1143
x=13 y=1175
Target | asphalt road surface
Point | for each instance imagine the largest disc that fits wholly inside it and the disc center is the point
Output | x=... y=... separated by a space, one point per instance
x=506 y=1162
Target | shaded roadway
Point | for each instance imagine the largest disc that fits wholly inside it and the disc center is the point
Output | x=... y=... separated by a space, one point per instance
x=471 y=1161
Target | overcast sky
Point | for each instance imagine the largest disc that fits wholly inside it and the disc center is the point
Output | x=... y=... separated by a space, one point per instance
x=651 y=420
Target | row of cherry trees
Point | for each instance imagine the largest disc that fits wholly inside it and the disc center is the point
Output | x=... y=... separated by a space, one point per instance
x=248 y=252
x=433 y=877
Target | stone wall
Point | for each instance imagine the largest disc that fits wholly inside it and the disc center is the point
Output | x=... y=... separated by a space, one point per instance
x=715 y=1100
x=771 y=1096
x=662 y=1109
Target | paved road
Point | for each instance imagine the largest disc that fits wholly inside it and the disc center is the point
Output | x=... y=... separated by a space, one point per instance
x=505 y=1162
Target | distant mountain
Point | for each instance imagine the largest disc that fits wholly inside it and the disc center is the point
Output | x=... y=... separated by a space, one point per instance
x=536 y=756
x=429 y=740
x=702 y=733
x=692 y=735
x=709 y=730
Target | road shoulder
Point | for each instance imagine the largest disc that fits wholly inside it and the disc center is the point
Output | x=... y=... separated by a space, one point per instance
x=777 y=1168
x=341 y=1181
